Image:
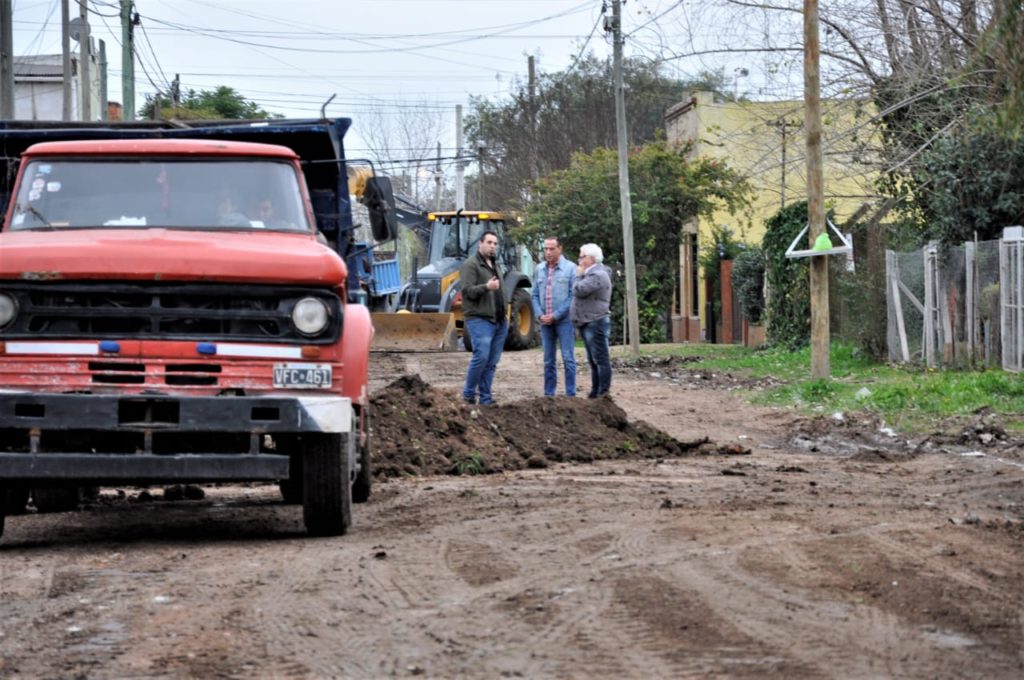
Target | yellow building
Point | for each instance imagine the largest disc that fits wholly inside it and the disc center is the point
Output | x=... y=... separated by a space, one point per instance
x=765 y=141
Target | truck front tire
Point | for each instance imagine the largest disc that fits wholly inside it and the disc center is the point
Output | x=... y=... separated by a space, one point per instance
x=327 y=483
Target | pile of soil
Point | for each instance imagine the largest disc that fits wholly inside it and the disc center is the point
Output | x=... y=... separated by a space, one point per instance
x=421 y=430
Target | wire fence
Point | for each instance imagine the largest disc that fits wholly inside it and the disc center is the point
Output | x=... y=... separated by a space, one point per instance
x=957 y=305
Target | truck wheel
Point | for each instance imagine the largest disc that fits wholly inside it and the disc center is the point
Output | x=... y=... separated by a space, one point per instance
x=327 y=484
x=291 y=488
x=522 y=325
x=56 y=498
x=13 y=499
x=364 y=478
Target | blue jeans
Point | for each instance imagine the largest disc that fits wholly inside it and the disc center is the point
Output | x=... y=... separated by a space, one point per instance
x=595 y=340
x=488 y=339
x=564 y=335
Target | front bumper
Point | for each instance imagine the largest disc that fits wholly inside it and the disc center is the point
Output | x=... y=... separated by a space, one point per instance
x=149 y=438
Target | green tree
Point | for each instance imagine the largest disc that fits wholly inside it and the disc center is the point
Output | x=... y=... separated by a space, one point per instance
x=581 y=205
x=526 y=137
x=971 y=181
x=221 y=103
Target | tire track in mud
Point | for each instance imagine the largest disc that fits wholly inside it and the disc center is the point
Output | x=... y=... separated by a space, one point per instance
x=558 y=617
x=763 y=604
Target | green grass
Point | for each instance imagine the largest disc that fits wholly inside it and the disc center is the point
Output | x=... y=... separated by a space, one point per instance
x=910 y=397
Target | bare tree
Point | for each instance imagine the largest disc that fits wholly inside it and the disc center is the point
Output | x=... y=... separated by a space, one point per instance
x=403 y=140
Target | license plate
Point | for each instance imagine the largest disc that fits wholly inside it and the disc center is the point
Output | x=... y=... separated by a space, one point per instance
x=302 y=376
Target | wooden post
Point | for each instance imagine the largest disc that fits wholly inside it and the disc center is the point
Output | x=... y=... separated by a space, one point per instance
x=929 y=305
x=815 y=193
x=892 y=272
x=970 y=300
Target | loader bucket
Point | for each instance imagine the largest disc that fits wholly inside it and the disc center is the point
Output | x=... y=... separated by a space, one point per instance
x=414 y=332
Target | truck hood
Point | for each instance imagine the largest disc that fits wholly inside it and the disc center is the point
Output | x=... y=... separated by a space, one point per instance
x=169 y=255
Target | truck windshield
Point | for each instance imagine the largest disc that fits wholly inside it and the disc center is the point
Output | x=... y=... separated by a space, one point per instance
x=165 y=193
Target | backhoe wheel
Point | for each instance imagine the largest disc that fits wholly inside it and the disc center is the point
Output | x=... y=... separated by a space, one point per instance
x=13 y=499
x=361 y=487
x=522 y=328
x=56 y=498
x=327 y=483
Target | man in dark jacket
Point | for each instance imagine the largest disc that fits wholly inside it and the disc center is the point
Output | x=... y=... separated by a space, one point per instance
x=591 y=302
x=485 y=318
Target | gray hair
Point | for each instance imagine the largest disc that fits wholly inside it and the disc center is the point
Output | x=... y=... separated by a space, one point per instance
x=594 y=251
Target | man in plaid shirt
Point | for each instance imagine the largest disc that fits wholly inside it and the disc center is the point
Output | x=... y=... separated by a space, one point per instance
x=552 y=298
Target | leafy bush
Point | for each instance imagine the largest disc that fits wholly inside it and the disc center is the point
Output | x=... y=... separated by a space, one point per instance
x=789 y=296
x=748 y=282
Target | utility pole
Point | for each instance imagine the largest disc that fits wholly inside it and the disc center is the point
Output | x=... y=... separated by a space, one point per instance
x=460 y=166
x=531 y=68
x=6 y=60
x=176 y=91
x=65 y=43
x=632 y=314
x=481 y=149
x=127 y=61
x=815 y=193
x=104 y=108
x=437 y=179
x=783 y=126
x=85 y=57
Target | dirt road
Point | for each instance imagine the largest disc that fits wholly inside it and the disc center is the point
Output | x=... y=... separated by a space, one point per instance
x=832 y=550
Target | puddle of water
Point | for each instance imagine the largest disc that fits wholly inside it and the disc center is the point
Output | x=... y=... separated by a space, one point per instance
x=949 y=640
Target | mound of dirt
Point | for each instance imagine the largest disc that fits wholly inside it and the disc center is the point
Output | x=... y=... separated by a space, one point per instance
x=422 y=430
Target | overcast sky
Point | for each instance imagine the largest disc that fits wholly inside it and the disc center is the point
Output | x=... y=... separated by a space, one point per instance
x=380 y=55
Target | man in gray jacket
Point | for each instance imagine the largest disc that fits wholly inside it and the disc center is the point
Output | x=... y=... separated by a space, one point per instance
x=591 y=302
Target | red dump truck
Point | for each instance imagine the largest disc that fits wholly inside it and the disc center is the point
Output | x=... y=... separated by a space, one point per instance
x=170 y=313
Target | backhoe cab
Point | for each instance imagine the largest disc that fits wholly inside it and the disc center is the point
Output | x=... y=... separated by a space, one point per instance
x=437 y=287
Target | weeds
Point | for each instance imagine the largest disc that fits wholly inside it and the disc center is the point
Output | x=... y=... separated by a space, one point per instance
x=468 y=464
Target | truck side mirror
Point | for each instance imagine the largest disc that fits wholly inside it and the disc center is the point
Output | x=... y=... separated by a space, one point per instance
x=380 y=201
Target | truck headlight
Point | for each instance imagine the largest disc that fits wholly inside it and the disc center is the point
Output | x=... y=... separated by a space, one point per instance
x=310 y=316
x=8 y=309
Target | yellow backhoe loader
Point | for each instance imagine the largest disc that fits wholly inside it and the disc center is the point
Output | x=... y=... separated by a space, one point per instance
x=427 y=314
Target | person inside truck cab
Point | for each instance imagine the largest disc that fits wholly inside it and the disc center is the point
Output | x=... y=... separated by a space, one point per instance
x=264 y=214
x=229 y=213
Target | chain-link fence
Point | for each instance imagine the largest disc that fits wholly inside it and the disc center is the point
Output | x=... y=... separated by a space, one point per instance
x=944 y=304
